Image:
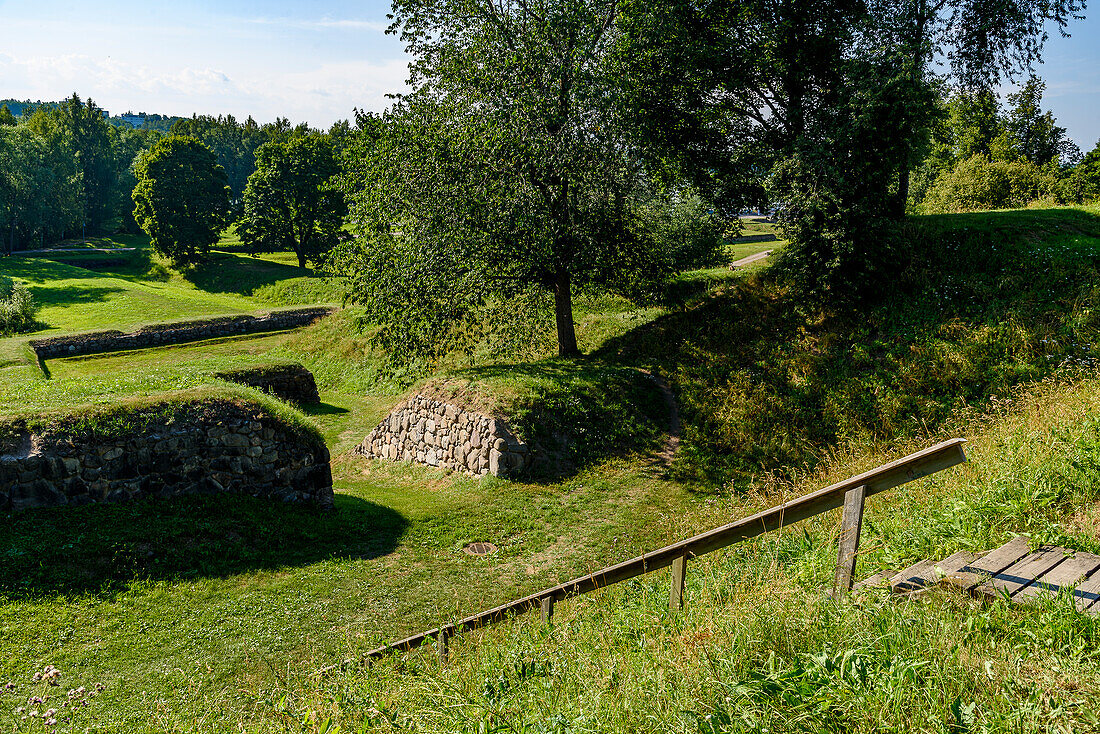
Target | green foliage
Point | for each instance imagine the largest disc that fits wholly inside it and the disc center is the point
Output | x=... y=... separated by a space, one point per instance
x=685 y=230
x=181 y=198
x=507 y=170
x=980 y=183
x=17 y=307
x=1083 y=183
x=985 y=157
x=291 y=202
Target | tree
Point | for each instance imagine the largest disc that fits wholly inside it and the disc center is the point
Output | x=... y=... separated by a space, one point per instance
x=788 y=89
x=506 y=171
x=181 y=198
x=1033 y=134
x=291 y=201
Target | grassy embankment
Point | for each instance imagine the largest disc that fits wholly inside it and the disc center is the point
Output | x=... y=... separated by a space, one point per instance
x=213 y=611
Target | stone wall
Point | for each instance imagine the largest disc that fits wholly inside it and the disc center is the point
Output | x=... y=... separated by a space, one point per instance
x=435 y=433
x=290 y=382
x=96 y=342
x=207 y=446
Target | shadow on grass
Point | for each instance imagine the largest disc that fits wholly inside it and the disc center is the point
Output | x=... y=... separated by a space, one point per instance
x=50 y=297
x=322 y=409
x=974 y=305
x=101 y=549
x=225 y=273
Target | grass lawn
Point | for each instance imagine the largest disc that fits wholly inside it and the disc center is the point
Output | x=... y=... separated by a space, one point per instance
x=140 y=289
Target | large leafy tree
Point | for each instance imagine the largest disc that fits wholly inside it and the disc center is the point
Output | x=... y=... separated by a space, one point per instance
x=1034 y=135
x=181 y=198
x=506 y=172
x=291 y=202
x=830 y=103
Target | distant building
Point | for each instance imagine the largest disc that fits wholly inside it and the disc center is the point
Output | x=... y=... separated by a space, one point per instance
x=133 y=120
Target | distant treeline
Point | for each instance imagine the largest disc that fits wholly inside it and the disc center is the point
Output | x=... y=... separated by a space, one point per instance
x=65 y=169
x=25 y=107
x=982 y=154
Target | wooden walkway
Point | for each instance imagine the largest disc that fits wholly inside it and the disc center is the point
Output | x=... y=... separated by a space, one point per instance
x=1013 y=570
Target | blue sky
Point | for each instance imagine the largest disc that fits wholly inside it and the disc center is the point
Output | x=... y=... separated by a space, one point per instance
x=308 y=61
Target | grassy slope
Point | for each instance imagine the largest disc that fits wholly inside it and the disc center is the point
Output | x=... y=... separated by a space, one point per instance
x=979 y=303
x=759 y=647
x=195 y=615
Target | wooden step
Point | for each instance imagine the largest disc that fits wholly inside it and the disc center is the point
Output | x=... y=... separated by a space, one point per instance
x=992 y=563
x=1022 y=573
x=1066 y=575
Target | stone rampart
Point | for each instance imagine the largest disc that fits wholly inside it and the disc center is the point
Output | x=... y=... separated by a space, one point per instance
x=155 y=335
x=431 y=432
x=290 y=382
x=206 y=446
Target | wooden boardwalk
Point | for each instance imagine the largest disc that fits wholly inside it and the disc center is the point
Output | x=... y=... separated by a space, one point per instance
x=1013 y=570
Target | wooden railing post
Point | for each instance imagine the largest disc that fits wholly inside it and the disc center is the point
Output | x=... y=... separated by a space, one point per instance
x=443 y=640
x=850 y=524
x=676 y=588
x=547 y=605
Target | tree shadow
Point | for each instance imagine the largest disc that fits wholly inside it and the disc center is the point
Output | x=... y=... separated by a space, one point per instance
x=322 y=409
x=103 y=548
x=226 y=273
x=72 y=296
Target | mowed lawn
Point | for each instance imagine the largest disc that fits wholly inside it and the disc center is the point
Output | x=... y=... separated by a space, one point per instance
x=126 y=289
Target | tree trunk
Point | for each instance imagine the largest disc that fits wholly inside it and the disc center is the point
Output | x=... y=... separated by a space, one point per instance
x=563 y=313
x=903 y=190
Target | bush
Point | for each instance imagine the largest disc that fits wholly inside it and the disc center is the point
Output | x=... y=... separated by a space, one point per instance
x=980 y=183
x=685 y=230
x=17 y=306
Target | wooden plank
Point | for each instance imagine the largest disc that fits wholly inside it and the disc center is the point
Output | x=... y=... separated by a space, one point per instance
x=1022 y=573
x=1066 y=575
x=923 y=574
x=676 y=585
x=848 y=547
x=882 y=578
x=992 y=563
x=915 y=466
x=914 y=578
x=956 y=562
x=547 y=605
x=1087 y=594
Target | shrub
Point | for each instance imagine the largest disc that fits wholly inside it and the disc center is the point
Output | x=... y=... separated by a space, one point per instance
x=17 y=306
x=685 y=230
x=980 y=183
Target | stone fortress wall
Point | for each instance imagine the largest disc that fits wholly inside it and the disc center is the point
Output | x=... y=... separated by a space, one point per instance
x=427 y=431
x=290 y=382
x=212 y=445
x=96 y=342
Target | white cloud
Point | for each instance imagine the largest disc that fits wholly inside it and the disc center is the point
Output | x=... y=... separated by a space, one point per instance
x=320 y=95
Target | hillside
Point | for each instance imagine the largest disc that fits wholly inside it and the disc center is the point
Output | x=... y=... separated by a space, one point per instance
x=209 y=612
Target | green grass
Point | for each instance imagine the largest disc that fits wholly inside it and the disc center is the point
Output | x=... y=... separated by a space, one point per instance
x=978 y=304
x=213 y=615
x=760 y=647
x=144 y=289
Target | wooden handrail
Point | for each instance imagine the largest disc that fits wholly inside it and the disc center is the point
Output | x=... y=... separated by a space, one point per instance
x=914 y=466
